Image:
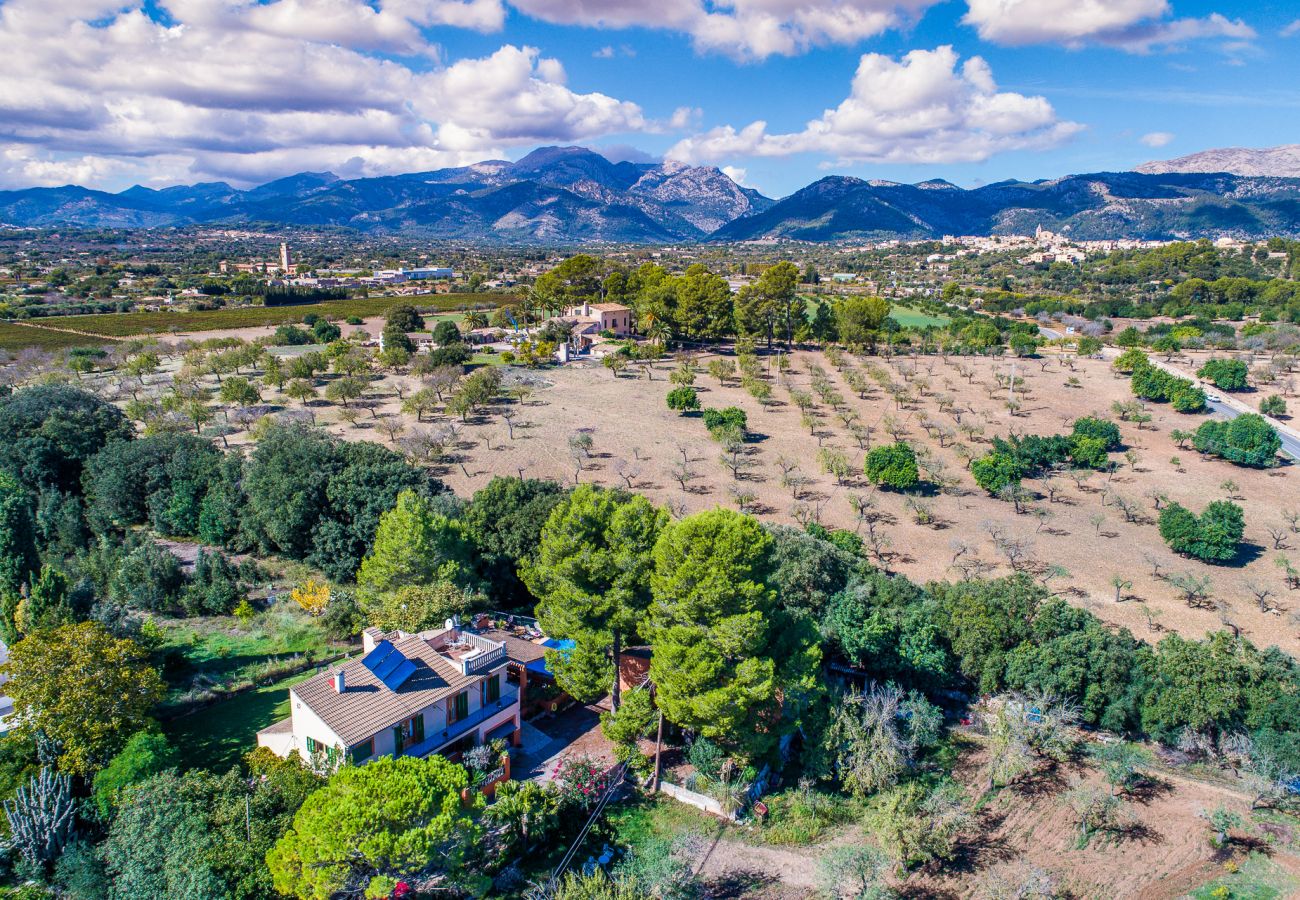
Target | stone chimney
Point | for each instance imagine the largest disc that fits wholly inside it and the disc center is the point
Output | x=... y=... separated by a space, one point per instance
x=340 y=683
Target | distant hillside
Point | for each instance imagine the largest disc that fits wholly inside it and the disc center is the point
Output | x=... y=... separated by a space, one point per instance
x=568 y=195
x=1281 y=162
x=553 y=195
x=1088 y=207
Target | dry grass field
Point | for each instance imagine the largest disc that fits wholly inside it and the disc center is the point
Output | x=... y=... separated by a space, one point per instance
x=1078 y=535
x=639 y=443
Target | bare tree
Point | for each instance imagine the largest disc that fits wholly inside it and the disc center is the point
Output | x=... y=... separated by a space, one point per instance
x=629 y=472
x=1280 y=537
x=684 y=474
x=392 y=427
x=1261 y=593
x=1192 y=589
x=1155 y=562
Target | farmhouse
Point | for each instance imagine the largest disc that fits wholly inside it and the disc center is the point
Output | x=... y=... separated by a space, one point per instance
x=442 y=691
x=613 y=317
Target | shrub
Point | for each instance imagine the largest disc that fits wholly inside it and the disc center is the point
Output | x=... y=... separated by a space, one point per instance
x=1190 y=399
x=450 y=355
x=1226 y=374
x=404 y=319
x=1104 y=429
x=732 y=416
x=683 y=399
x=325 y=332
x=291 y=336
x=1273 y=406
x=1130 y=361
x=893 y=466
x=1247 y=440
x=1213 y=537
x=1089 y=453
x=995 y=471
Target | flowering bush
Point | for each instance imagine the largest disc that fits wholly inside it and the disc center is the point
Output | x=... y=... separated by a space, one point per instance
x=581 y=779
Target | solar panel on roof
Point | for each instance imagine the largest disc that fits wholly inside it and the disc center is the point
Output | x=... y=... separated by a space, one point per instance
x=399 y=675
x=389 y=666
x=382 y=651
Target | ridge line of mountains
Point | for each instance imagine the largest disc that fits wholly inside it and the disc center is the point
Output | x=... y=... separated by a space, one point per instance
x=571 y=195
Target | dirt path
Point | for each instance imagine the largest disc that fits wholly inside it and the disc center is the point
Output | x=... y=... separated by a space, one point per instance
x=765 y=871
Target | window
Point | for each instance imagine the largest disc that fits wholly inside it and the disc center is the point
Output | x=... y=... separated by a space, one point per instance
x=362 y=751
x=458 y=707
x=492 y=689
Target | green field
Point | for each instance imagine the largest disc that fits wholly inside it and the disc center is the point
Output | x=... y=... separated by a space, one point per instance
x=914 y=318
x=208 y=655
x=20 y=337
x=216 y=736
x=127 y=324
x=906 y=316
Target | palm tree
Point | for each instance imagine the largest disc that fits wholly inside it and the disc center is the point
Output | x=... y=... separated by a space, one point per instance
x=658 y=331
x=476 y=319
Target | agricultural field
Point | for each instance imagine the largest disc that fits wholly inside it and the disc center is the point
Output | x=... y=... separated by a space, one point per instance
x=1076 y=535
x=185 y=323
x=15 y=337
x=1089 y=536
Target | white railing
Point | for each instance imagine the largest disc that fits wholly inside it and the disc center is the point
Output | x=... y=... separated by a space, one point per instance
x=489 y=653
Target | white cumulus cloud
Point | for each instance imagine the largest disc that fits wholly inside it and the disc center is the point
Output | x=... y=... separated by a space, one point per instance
x=923 y=108
x=97 y=93
x=743 y=29
x=1156 y=139
x=1138 y=26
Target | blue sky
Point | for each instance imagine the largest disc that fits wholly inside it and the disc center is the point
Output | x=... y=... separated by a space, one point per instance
x=780 y=92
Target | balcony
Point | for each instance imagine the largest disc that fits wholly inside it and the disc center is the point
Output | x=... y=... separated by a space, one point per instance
x=438 y=739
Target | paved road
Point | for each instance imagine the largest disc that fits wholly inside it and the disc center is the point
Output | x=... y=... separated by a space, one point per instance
x=1228 y=409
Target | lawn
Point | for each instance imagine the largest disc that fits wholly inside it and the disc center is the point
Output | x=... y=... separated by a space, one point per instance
x=914 y=318
x=125 y=324
x=203 y=657
x=216 y=736
x=906 y=316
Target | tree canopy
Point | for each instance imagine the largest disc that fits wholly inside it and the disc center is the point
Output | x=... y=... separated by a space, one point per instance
x=389 y=819
x=728 y=661
x=84 y=689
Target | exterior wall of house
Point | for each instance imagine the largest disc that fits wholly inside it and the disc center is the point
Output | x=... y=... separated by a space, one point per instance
x=306 y=724
x=617 y=322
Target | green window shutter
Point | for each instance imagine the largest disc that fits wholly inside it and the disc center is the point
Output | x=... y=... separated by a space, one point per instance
x=419 y=728
x=397 y=741
x=494 y=689
x=312 y=746
x=361 y=752
x=462 y=705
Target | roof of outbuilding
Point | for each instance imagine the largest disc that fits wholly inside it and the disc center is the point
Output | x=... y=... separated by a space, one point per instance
x=518 y=649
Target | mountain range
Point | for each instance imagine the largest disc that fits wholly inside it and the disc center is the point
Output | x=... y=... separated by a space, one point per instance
x=570 y=195
x=1283 y=161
